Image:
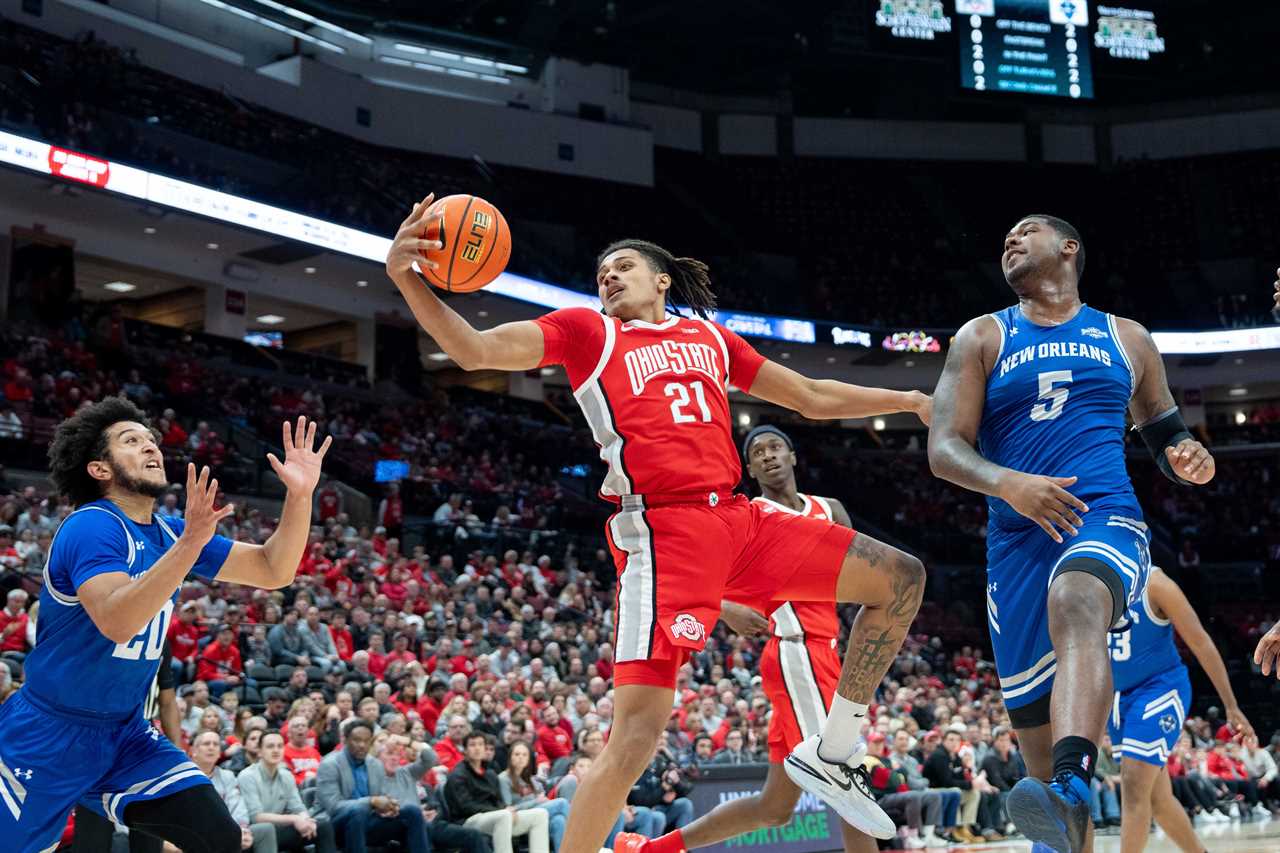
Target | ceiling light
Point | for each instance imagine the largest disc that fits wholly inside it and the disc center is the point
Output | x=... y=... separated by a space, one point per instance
x=312 y=19
x=411 y=48
x=744 y=419
x=460 y=72
x=910 y=363
x=149 y=230
x=518 y=69
x=494 y=78
x=211 y=245
x=475 y=60
x=309 y=270
x=119 y=286
x=878 y=424
x=784 y=355
x=444 y=54
x=482 y=313
x=427 y=66
x=1240 y=418
x=439 y=356
x=362 y=283
x=273 y=25
x=395 y=60
x=271 y=319
x=1238 y=392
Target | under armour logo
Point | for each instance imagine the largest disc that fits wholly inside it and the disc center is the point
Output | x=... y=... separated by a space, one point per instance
x=1013 y=331
x=22 y=774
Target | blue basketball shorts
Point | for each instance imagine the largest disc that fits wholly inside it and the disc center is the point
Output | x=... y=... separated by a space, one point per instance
x=1146 y=721
x=50 y=761
x=1022 y=563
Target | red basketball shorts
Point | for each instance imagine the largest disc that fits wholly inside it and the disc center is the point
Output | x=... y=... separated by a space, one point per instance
x=799 y=678
x=676 y=560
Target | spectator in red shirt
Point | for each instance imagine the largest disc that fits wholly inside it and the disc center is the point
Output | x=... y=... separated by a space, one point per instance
x=341 y=636
x=302 y=759
x=400 y=651
x=432 y=705
x=18 y=389
x=465 y=663
x=219 y=665
x=13 y=625
x=328 y=502
x=377 y=656
x=406 y=699
x=184 y=633
x=555 y=735
x=395 y=589
x=450 y=749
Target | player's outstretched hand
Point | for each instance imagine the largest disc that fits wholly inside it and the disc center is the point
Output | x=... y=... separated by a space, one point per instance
x=1191 y=461
x=1046 y=501
x=408 y=244
x=300 y=470
x=1268 y=651
x=742 y=620
x=201 y=516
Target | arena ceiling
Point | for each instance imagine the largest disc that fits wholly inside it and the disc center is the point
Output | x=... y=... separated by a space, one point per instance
x=824 y=53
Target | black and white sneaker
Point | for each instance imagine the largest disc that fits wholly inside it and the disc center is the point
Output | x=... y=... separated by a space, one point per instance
x=842 y=786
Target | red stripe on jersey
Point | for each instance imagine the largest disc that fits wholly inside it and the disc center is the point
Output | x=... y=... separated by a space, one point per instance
x=810 y=618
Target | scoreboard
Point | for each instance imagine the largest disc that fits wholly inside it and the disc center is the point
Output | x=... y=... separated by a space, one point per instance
x=1027 y=47
x=1036 y=47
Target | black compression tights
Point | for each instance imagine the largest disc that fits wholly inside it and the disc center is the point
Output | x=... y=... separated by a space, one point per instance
x=195 y=820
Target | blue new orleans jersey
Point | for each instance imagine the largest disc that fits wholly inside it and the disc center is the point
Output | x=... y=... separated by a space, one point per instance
x=74 y=667
x=1055 y=405
x=1145 y=648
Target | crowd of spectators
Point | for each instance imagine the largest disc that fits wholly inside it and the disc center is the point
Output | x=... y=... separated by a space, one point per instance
x=853 y=232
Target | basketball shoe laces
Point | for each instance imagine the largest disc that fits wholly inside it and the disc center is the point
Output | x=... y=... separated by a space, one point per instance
x=857 y=776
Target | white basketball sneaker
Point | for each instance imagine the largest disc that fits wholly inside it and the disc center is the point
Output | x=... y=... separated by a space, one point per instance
x=842 y=786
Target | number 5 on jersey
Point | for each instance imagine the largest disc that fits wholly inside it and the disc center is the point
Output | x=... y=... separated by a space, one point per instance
x=1051 y=398
x=677 y=390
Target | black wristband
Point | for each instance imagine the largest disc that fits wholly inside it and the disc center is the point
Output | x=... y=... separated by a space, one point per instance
x=1168 y=430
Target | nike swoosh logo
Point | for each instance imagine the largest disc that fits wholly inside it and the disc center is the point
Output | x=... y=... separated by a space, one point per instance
x=837 y=782
x=791 y=759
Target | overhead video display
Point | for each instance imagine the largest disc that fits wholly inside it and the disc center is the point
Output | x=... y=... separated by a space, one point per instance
x=1127 y=33
x=1032 y=47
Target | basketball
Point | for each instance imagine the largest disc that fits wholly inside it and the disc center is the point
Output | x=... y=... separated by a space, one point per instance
x=477 y=243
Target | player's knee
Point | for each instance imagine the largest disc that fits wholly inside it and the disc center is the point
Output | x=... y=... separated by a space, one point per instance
x=907 y=576
x=1078 y=600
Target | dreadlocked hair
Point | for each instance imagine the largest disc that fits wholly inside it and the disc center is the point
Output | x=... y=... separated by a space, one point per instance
x=81 y=439
x=690 y=277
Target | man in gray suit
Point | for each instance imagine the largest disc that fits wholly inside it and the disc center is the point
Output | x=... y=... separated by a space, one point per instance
x=359 y=795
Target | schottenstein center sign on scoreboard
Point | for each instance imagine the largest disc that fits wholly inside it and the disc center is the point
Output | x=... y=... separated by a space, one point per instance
x=814 y=828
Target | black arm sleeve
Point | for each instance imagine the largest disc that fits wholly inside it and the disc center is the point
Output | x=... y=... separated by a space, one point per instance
x=164 y=678
x=1167 y=430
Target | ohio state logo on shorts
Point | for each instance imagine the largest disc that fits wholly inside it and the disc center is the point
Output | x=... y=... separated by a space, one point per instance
x=687 y=627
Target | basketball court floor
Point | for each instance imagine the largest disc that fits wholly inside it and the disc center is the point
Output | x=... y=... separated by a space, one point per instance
x=1228 y=838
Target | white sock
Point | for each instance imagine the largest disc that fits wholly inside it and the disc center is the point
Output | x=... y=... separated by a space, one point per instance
x=841 y=731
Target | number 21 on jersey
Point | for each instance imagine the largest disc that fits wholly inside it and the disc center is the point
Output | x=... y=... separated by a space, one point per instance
x=681 y=395
x=149 y=642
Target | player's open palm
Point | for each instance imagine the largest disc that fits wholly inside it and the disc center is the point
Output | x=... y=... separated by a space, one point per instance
x=300 y=470
x=1046 y=501
x=408 y=244
x=202 y=517
x=1191 y=461
x=1268 y=652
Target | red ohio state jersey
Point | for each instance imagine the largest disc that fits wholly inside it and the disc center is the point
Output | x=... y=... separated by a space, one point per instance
x=655 y=396
x=803 y=618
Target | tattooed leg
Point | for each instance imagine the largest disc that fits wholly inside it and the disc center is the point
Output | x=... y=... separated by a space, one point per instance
x=889 y=584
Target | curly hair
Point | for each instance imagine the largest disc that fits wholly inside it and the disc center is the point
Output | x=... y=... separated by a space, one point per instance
x=81 y=439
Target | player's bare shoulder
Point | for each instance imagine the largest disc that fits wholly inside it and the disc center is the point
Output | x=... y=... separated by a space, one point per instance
x=978 y=340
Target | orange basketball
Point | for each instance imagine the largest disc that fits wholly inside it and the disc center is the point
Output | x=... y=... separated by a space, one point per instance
x=477 y=243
